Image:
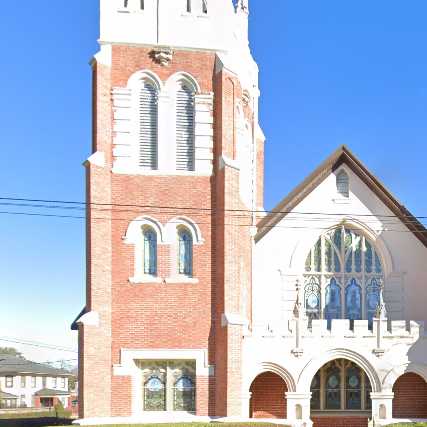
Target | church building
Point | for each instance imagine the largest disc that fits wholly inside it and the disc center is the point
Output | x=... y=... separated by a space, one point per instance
x=200 y=304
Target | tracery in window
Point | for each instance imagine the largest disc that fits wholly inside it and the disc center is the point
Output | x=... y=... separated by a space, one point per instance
x=185 y=115
x=343 y=184
x=150 y=251
x=148 y=125
x=341 y=385
x=344 y=267
x=185 y=252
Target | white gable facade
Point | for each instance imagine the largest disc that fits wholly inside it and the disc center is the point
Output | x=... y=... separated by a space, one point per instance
x=339 y=288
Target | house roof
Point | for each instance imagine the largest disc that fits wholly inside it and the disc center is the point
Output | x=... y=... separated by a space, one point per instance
x=341 y=156
x=4 y=395
x=12 y=365
x=47 y=392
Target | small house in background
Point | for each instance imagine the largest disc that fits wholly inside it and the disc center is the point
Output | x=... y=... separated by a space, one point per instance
x=26 y=384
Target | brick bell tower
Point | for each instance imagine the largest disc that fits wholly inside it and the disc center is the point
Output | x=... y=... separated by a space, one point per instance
x=175 y=176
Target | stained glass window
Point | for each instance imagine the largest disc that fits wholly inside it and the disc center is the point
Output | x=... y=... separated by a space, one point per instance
x=185 y=253
x=344 y=263
x=333 y=301
x=150 y=251
x=312 y=299
x=353 y=388
x=333 y=389
x=341 y=385
x=315 y=392
x=353 y=301
x=154 y=395
x=184 y=395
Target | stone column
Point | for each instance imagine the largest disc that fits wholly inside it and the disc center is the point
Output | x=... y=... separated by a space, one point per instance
x=298 y=407
x=246 y=404
x=382 y=408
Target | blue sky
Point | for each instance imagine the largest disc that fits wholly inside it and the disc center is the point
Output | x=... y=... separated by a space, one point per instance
x=332 y=72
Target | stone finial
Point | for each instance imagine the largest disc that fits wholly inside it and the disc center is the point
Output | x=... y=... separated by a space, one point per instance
x=381 y=308
x=243 y=6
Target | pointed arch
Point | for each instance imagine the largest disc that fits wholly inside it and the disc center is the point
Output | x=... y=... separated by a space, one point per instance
x=182 y=221
x=136 y=225
x=184 y=77
x=313 y=366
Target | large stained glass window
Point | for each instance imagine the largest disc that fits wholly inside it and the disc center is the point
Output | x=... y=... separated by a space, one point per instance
x=343 y=273
x=168 y=385
x=185 y=252
x=341 y=385
x=150 y=251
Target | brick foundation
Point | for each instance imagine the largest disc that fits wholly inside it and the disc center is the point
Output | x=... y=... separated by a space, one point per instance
x=410 y=397
x=268 y=397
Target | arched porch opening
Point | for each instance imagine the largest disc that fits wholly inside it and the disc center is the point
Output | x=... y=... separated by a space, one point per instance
x=341 y=395
x=410 y=396
x=268 y=396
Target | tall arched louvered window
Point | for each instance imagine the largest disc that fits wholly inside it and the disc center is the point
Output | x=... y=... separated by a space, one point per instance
x=343 y=184
x=185 y=127
x=148 y=124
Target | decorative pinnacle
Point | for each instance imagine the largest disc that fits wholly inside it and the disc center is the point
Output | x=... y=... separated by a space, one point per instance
x=381 y=308
x=243 y=5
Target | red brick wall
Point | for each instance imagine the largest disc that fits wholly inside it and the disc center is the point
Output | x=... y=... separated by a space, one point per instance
x=268 y=396
x=410 y=397
x=340 y=421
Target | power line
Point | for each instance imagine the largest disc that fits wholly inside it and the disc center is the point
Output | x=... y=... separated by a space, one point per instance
x=76 y=203
x=37 y=344
x=31 y=214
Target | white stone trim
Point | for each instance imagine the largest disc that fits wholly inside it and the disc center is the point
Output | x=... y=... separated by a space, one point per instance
x=89 y=319
x=96 y=159
x=134 y=231
x=171 y=230
x=226 y=161
x=233 y=320
x=181 y=279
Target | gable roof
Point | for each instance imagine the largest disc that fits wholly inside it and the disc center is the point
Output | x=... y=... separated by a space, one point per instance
x=4 y=395
x=341 y=156
x=48 y=392
x=12 y=365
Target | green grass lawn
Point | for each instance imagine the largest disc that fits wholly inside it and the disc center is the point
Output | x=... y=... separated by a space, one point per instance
x=409 y=425
x=195 y=425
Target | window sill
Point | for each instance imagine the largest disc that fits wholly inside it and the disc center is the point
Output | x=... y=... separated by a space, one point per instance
x=145 y=279
x=177 y=280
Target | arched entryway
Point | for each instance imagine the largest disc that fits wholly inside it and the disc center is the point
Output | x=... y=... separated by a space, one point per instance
x=341 y=395
x=410 y=397
x=268 y=396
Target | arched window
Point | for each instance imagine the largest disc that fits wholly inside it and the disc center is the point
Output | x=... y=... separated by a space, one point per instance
x=333 y=301
x=148 y=125
x=345 y=264
x=154 y=395
x=343 y=184
x=353 y=301
x=184 y=395
x=185 y=252
x=185 y=127
x=150 y=251
x=341 y=385
x=312 y=299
